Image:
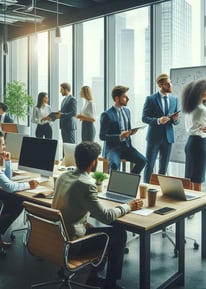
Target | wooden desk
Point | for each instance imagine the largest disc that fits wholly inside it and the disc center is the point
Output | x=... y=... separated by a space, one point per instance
x=146 y=225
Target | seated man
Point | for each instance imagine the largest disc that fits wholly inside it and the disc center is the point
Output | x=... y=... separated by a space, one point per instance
x=76 y=196
x=12 y=204
x=115 y=131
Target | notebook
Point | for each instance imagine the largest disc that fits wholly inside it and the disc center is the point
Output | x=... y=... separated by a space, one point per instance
x=173 y=188
x=122 y=187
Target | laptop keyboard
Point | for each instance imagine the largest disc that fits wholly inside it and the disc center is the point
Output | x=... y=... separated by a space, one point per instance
x=118 y=198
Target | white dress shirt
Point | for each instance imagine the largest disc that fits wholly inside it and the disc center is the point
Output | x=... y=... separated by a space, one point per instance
x=196 y=120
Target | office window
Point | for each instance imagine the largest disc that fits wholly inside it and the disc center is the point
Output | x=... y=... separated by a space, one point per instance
x=42 y=58
x=93 y=64
x=18 y=60
x=132 y=63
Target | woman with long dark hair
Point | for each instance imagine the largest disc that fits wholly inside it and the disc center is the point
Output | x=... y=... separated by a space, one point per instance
x=40 y=112
x=193 y=97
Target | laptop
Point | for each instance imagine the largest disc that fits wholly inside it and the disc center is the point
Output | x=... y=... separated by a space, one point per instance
x=173 y=188
x=122 y=187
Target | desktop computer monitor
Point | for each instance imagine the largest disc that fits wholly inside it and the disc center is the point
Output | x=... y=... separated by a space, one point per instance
x=37 y=155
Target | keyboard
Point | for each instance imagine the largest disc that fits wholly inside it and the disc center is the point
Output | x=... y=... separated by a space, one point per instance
x=20 y=178
x=117 y=198
x=41 y=179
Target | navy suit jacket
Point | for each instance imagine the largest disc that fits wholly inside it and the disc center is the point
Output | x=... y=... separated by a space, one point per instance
x=8 y=119
x=152 y=111
x=68 y=114
x=110 y=129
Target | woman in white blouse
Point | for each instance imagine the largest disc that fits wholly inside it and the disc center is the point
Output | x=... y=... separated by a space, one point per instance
x=193 y=98
x=87 y=115
x=40 y=112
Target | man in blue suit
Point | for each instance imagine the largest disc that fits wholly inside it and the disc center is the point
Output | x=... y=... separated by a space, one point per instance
x=4 y=117
x=115 y=131
x=67 y=114
x=161 y=113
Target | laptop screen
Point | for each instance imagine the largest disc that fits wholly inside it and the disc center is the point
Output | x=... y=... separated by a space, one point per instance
x=123 y=183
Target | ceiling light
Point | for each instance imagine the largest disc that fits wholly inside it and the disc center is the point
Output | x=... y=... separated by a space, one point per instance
x=58 y=32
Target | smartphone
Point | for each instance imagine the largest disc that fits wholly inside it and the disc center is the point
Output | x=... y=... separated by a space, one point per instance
x=171 y=115
x=164 y=210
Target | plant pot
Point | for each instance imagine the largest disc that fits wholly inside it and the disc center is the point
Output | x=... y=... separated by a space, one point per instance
x=99 y=187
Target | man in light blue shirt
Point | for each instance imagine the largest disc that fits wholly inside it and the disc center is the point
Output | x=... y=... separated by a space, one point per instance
x=12 y=204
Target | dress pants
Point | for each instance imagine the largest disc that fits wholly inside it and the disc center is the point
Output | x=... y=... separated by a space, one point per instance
x=117 y=242
x=12 y=209
x=114 y=155
x=164 y=150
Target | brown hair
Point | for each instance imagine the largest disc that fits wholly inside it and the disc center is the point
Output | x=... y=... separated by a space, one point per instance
x=118 y=90
x=66 y=86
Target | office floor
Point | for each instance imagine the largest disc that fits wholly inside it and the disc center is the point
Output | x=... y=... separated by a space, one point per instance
x=19 y=269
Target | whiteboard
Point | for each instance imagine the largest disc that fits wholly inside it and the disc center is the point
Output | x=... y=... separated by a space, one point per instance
x=180 y=77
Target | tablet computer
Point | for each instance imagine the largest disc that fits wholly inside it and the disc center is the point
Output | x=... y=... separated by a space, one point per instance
x=138 y=127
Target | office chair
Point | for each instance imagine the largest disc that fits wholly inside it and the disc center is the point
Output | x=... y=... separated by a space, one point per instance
x=165 y=232
x=49 y=240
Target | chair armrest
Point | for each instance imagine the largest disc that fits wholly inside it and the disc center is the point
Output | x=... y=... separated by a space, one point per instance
x=90 y=236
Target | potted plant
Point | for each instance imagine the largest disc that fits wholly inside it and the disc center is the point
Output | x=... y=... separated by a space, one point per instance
x=17 y=100
x=99 y=177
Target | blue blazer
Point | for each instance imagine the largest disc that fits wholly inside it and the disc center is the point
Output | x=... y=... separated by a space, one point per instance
x=68 y=114
x=8 y=119
x=152 y=111
x=110 y=129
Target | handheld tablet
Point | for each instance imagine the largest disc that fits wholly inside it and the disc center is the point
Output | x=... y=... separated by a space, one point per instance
x=139 y=127
x=171 y=115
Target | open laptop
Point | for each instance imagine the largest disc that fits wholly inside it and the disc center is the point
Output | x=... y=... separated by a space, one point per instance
x=122 y=187
x=173 y=188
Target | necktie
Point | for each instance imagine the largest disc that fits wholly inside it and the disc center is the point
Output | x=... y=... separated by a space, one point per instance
x=122 y=119
x=166 y=105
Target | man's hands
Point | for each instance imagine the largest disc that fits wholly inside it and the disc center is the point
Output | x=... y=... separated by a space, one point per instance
x=135 y=204
x=6 y=155
x=33 y=184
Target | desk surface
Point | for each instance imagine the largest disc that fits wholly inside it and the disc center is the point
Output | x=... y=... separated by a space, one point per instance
x=134 y=220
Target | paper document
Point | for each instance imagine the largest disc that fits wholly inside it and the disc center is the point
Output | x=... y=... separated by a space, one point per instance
x=143 y=212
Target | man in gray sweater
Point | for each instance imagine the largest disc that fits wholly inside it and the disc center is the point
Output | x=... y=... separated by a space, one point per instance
x=76 y=197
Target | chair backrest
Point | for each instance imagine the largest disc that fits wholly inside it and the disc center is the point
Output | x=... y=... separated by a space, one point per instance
x=185 y=181
x=47 y=234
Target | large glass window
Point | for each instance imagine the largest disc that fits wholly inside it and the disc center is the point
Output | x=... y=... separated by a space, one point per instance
x=42 y=58
x=132 y=50
x=93 y=64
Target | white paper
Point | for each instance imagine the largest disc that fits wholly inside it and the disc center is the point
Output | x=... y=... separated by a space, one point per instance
x=143 y=212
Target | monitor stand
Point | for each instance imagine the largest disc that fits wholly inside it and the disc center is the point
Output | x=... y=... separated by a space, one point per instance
x=42 y=179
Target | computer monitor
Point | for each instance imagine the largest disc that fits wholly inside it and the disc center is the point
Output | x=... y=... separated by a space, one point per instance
x=13 y=143
x=37 y=155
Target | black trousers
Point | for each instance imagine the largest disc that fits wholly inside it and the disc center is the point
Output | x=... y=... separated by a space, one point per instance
x=44 y=130
x=117 y=242
x=12 y=209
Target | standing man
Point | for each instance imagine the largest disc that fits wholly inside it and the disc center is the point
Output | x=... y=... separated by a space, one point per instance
x=157 y=112
x=76 y=197
x=115 y=131
x=67 y=114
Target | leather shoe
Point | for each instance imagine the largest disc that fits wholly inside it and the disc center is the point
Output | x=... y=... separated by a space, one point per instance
x=5 y=244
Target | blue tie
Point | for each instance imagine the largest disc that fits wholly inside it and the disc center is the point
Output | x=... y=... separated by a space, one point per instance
x=166 y=105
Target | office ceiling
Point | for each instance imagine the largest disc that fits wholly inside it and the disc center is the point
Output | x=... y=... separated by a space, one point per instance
x=23 y=17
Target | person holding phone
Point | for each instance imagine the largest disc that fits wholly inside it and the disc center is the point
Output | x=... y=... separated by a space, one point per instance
x=160 y=112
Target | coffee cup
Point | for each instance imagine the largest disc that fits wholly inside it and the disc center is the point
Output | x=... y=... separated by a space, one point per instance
x=143 y=191
x=152 y=196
